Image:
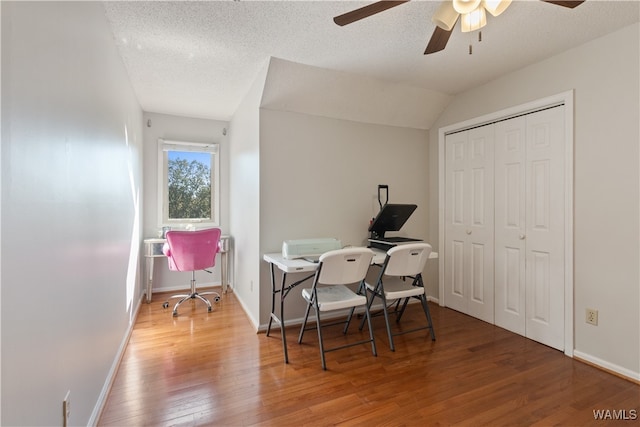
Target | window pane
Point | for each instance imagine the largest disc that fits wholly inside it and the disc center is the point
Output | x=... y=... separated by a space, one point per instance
x=189 y=184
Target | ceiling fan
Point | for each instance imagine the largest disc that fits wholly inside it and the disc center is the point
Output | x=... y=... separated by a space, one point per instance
x=447 y=15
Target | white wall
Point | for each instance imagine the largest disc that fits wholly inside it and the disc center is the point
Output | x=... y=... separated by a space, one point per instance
x=300 y=88
x=71 y=189
x=245 y=197
x=604 y=74
x=191 y=130
x=298 y=174
x=319 y=178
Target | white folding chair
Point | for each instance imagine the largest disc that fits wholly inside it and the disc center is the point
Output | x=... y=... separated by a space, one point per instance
x=328 y=292
x=399 y=280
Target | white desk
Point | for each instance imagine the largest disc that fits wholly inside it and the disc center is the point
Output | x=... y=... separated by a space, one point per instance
x=153 y=250
x=287 y=266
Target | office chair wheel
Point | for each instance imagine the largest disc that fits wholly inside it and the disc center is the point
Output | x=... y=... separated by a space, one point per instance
x=175 y=313
x=217 y=299
x=165 y=305
x=209 y=309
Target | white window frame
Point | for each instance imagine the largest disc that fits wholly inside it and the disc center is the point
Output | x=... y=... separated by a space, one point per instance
x=164 y=146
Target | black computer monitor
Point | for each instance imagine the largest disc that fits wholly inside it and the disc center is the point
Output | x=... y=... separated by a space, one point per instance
x=391 y=218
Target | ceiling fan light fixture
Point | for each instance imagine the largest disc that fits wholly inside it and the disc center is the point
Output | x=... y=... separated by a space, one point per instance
x=474 y=20
x=496 y=7
x=446 y=16
x=465 y=6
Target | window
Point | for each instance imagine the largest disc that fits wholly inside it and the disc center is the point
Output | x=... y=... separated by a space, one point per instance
x=189 y=183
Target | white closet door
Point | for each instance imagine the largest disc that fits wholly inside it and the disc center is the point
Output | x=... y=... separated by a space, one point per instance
x=469 y=222
x=529 y=226
x=545 y=227
x=457 y=171
x=510 y=224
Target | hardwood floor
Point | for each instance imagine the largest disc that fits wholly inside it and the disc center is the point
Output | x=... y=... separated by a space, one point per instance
x=213 y=369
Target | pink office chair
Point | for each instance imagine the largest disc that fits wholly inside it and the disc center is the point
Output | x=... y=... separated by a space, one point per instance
x=191 y=251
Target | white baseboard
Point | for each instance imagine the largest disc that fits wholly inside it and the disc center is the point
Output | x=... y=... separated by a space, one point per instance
x=334 y=315
x=298 y=320
x=106 y=388
x=608 y=366
x=253 y=321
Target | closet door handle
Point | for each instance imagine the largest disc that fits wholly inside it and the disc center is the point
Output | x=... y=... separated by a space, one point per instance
x=522 y=237
x=468 y=231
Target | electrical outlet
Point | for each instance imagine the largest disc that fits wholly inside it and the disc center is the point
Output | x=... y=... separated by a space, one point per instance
x=592 y=316
x=66 y=409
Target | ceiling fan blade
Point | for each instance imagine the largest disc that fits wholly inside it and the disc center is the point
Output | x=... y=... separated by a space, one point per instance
x=438 y=40
x=565 y=3
x=366 y=11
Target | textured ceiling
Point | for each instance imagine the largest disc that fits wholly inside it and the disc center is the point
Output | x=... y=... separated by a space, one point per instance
x=198 y=59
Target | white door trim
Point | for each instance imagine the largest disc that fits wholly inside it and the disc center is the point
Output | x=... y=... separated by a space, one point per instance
x=565 y=98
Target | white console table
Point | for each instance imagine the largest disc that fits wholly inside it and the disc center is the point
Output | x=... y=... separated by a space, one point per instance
x=153 y=250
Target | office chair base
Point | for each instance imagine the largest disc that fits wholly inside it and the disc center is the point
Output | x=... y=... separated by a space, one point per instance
x=193 y=295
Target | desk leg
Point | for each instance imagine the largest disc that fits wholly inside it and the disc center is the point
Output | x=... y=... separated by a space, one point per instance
x=149 y=278
x=224 y=258
x=273 y=297
x=284 y=334
x=273 y=316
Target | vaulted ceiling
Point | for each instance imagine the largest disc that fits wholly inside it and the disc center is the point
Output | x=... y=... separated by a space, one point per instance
x=198 y=59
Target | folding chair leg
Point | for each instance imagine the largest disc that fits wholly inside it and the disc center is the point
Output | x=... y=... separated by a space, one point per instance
x=401 y=312
x=304 y=323
x=425 y=307
x=361 y=288
x=369 y=304
x=320 y=341
x=371 y=337
x=386 y=321
x=346 y=326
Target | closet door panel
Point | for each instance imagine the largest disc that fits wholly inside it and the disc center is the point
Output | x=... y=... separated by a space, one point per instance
x=480 y=227
x=540 y=308
x=458 y=272
x=456 y=214
x=510 y=224
x=469 y=222
x=512 y=274
x=545 y=227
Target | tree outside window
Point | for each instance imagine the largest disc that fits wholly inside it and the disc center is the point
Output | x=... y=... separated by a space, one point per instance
x=189 y=177
x=189 y=181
